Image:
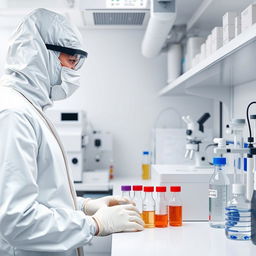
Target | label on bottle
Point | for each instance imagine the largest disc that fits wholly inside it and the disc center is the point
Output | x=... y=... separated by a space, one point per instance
x=213 y=193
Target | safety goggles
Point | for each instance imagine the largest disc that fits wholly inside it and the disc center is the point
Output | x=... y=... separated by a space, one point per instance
x=79 y=55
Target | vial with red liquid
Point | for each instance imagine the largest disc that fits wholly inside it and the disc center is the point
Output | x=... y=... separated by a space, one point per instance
x=161 y=213
x=175 y=207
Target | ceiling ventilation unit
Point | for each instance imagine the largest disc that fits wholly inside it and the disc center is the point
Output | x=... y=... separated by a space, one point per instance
x=162 y=17
x=115 y=13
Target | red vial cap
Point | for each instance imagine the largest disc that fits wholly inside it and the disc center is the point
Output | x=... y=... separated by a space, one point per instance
x=148 y=189
x=175 y=189
x=137 y=188
x=161 y=189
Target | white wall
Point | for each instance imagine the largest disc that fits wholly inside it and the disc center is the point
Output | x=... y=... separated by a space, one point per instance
x=243 y=95
x=119 y=93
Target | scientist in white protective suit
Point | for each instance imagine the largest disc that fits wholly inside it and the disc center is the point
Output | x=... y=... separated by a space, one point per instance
x=40 y=213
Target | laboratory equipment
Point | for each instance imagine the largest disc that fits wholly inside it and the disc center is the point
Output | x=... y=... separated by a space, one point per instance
x=175 y=207
x=236 y=128
x=218 y=194
x=238 y=215
x=126 y=191
x=148 y=207
x=195 y=136
x=146 y=165
x=137 y=197
x=195 y=185
x=98 y=158
x=71 y=126
x=161 y=213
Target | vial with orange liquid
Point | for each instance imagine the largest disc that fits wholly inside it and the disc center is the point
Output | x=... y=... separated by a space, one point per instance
x=175 y=207
x=161 y=213
x=148 y=207
x=146 y=166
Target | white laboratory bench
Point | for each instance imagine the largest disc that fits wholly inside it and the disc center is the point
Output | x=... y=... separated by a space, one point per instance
x=193 y=239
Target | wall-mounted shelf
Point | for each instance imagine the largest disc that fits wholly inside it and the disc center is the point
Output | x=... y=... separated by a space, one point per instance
x=211 y=11
x=233 y=64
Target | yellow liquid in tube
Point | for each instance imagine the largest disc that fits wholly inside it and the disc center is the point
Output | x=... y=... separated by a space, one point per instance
x=146 y=171
x=149 y=219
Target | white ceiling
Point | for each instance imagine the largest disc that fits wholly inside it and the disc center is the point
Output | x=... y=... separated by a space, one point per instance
x=185 y=8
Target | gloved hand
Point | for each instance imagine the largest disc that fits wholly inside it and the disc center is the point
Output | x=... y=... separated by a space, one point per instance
x=117 y=219
x=93 y=205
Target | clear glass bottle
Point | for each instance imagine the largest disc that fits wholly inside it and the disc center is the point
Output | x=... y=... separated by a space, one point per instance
x=218 y=194
x=253 y=213
x=238 y=215
x=175 y=207
x=148 y=207
x=126 y=191
x=137 y=197
x=161 y=213
x=146 y=175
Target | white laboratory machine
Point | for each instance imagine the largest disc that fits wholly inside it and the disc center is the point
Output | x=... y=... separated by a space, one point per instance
x=98 y=160
x=71 y=127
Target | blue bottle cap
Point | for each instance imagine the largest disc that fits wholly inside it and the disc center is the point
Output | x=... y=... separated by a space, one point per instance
x=145 y=153
x=219 y=161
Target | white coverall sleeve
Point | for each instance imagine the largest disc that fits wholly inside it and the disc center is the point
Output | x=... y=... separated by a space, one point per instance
x=24 y=222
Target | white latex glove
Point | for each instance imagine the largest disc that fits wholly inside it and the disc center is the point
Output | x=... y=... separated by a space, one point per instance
x=93 y=205
x=117 y=219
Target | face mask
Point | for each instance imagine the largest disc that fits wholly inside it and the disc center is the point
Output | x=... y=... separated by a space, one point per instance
x=70 y=83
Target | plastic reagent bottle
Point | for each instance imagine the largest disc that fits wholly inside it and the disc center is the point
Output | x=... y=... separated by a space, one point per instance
x=161 y=213
x=175 y=207
x=126 y=191
x=218 y=194
x=146 y=166
x=238 y=215
x=148 y=207
x=137 y=197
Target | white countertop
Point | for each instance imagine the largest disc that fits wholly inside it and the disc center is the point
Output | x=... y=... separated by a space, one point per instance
x=192 y=239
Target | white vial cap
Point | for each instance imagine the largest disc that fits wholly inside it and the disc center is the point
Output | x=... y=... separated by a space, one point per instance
x=238 y=189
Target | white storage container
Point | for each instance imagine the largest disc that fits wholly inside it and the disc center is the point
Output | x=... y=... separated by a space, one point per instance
x=248 y=17
x=238 y=25
x=217 y=38
x=209 y=46
x=194 y=187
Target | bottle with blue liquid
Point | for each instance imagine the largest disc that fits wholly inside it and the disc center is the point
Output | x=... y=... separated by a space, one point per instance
x=238 y=215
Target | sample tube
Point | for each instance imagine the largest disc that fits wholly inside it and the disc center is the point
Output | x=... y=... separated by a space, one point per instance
x=137 y=197
x=161 y=213
x=175 y=207
x=146 y=166
x=148 y=207
x=126 y=189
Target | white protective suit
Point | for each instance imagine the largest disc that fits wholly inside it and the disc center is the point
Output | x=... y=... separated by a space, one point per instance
x=39 y=211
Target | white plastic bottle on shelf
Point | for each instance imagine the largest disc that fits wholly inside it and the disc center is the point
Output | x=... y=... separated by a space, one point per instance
x=238 y=215
x=218 y=194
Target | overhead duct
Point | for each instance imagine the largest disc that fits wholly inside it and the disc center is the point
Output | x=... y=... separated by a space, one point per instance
x=162 y=17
